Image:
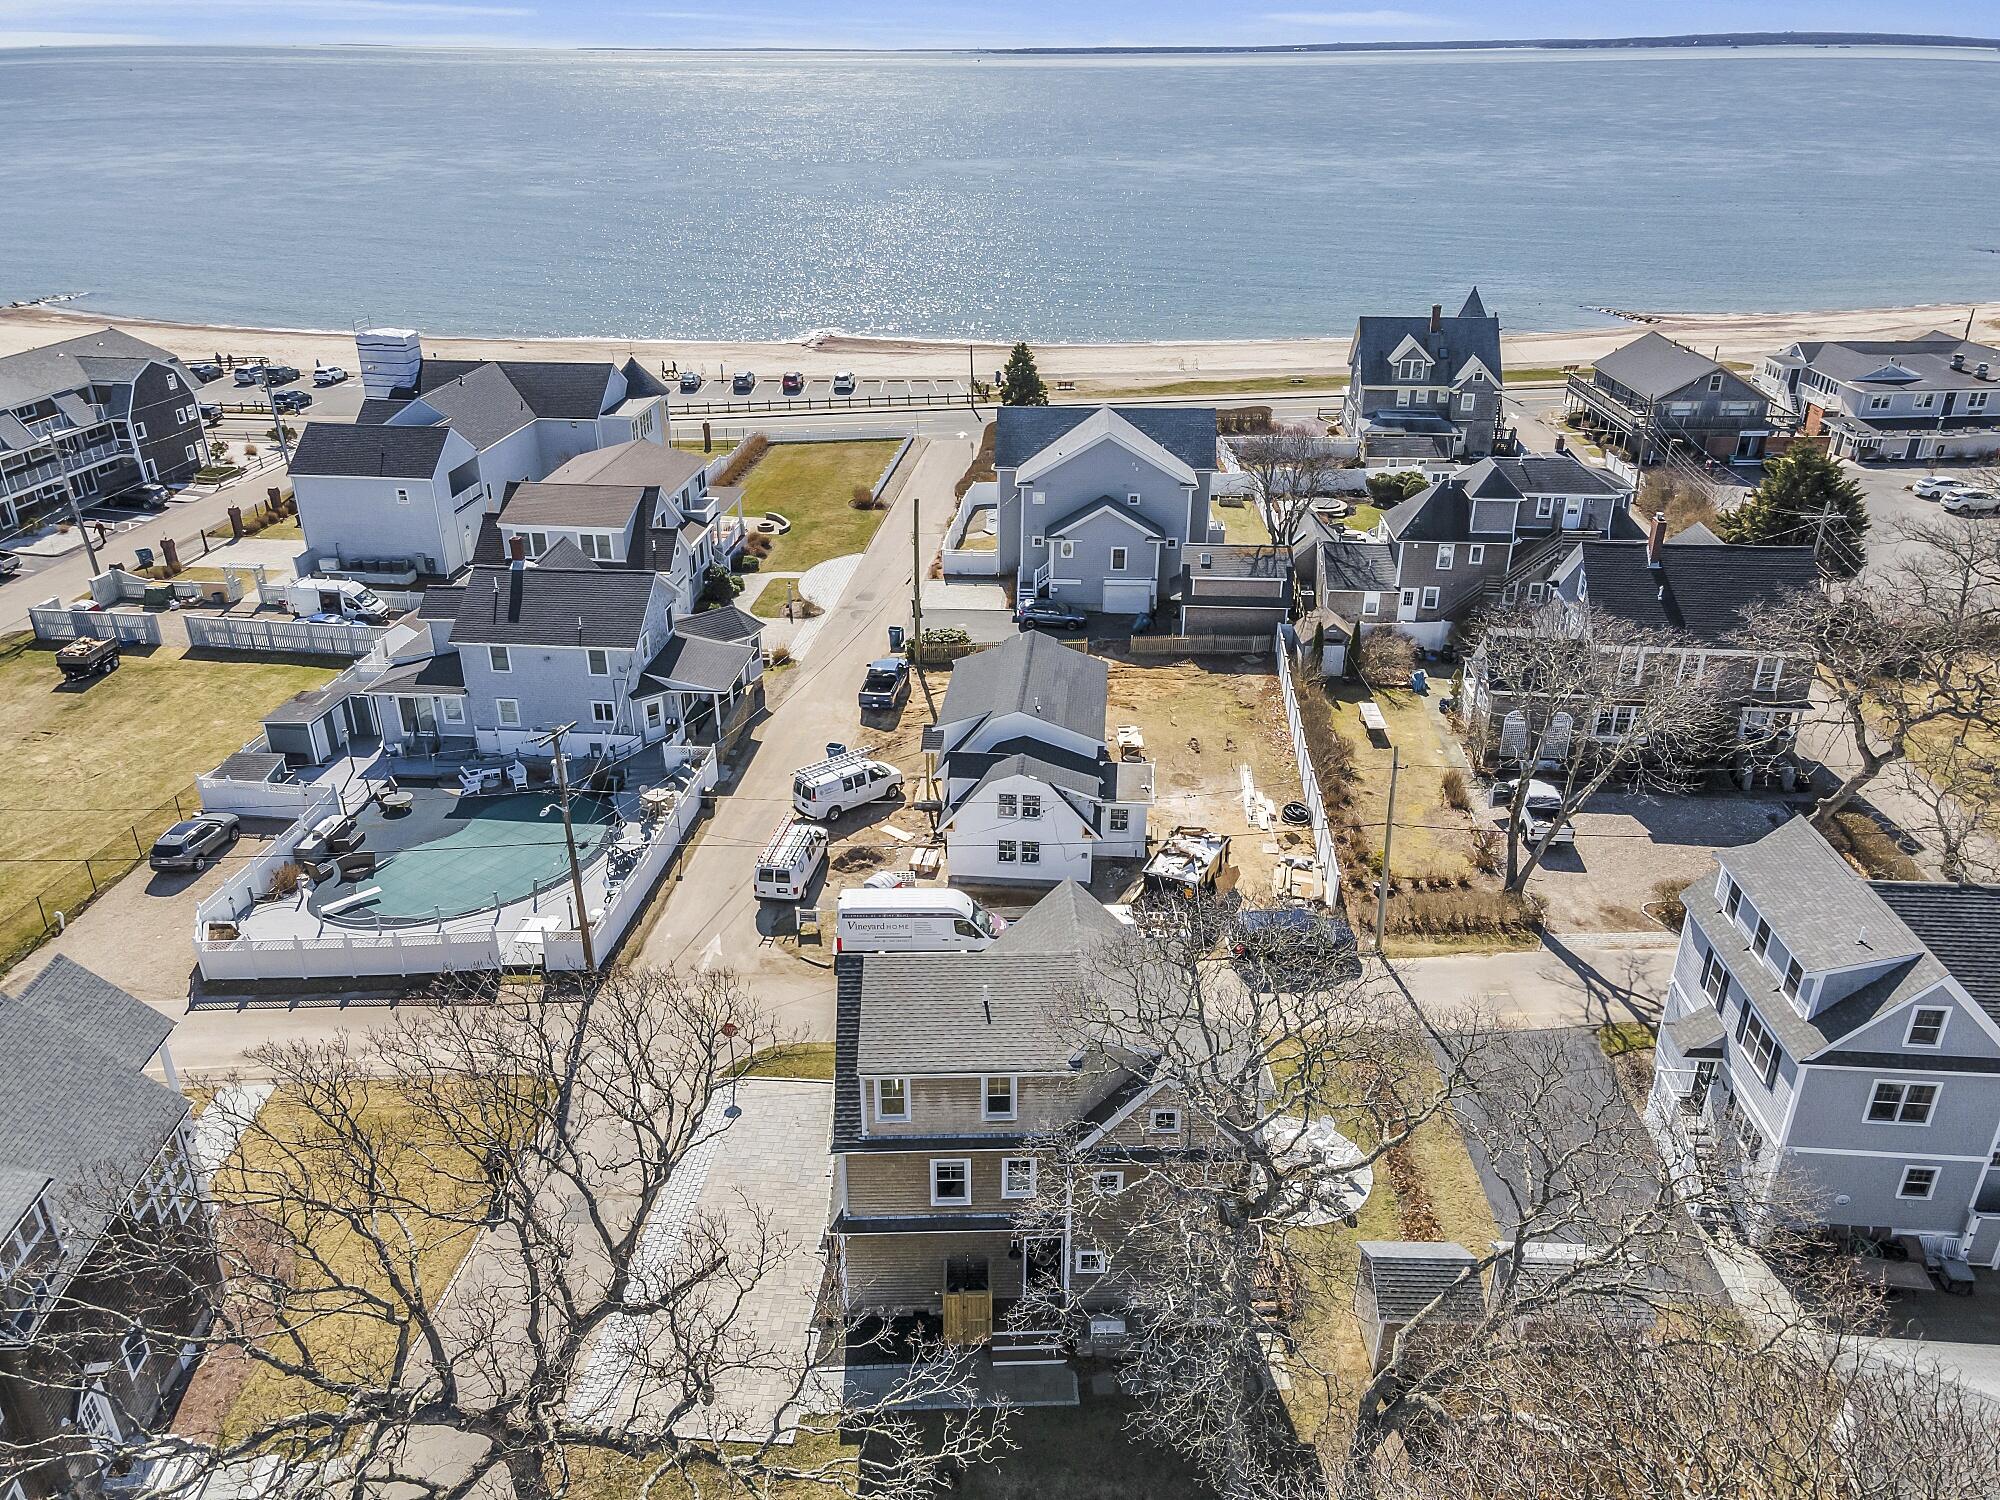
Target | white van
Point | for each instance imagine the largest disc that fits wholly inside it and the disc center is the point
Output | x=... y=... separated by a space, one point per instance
x=828 y=788
x=796 y=853
x=913 y=921
x=342 y=598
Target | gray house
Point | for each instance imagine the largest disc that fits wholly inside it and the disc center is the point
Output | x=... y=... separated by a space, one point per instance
x=1937 y=396
x=1653 y=396
x=1094 y=507
x=401 y=492
x=88 y=1358
x=1832 y=1044
x=1235 y=589
x=94 y=416
x=1454 y=547
x=1426 y=388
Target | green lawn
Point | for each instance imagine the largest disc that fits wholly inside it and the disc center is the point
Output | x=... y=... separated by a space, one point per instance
x=93 y=771
x=770 y=601
x=792 y=1060
x=809 y=484
x=1362 y=518
x=1243 y=524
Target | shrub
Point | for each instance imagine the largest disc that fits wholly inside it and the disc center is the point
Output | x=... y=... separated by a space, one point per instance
x=719 y=586
x=1666 y=903
x=1386 y=656
x=861 y=497
x=285 y=879
x=781 y=656
x=743 y=459
x=749 y=562
x=1386 y=490
x=1454 y=913
x=1487 y=850
x=1456 y=793
x=757 y=544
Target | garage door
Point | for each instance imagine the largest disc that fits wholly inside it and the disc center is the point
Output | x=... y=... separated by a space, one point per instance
x=1128 y=597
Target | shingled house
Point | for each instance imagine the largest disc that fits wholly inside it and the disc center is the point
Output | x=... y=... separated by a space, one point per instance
x=1426 y=389
x=89 y=1357
x=1652 y=396
x=953 y=1072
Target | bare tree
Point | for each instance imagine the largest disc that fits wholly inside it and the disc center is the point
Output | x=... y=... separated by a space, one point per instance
x=1903 y=652
x=1386 y=656
x=1287 y=470
x=1572 y=697
x=1958 y=790
x=594 y=1318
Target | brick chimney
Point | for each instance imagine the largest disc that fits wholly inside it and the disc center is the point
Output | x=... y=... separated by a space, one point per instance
x=517 y=550
x=1437 y=317
x=1656 y=538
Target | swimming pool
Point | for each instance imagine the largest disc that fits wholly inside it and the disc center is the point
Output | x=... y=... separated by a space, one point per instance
x=451 y=856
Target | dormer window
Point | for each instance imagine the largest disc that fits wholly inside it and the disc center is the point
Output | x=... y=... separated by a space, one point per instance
x=1760 y=939
x=1795 y=974
x=1410 y=369
x=1732 y=898
x=892 y=1099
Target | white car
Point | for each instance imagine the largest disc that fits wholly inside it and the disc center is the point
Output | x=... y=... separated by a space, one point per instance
x=1971 y=502
x=327 y=375
x=1936 y=487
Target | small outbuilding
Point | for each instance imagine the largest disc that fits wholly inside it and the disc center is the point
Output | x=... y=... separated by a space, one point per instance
x=1400 y=1278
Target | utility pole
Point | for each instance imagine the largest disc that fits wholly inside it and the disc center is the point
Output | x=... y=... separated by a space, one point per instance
x=277 y=422
x=554 y=740
x=971 y=380
x=1388 y=837
x=76 y=515
x=917 y=597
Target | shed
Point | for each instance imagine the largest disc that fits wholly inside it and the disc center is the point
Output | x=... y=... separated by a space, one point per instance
x=313 y=727
x=1607 y=1296
x=1400 y=1278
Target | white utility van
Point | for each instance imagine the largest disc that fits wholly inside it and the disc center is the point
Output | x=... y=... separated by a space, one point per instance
x=913 y=921
x=796 y=853
x=829 y=788
x=342 y=598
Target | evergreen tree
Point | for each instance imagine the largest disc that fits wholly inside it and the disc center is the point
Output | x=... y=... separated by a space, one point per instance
x=1806 y=500
x=1021 y=383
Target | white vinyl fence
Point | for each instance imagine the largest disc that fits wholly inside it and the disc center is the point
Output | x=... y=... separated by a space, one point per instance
x=300 y=637
x=1329 y=862
x=54 y=621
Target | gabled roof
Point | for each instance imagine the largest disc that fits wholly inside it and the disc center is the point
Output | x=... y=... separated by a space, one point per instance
x=1030 y=673
x=640 y=462
x=1406 y=1276
x=1100 y=506
x=1536 y=474
x=1654 y=366
x=543 y=605
x=1104 y=425
x=606 y=506
x=1829 y=917
x=1442 y=513
x=1472 y=334
x=1066 y=782
x=106 y=357
x=355 y=450
x=1705 y=590
x=67 y=994
x=1919 y=364
x=564 y=553
x=1960 y=924
x=724 y=623
x=1186 y=432
x=557 y=388
x=482 y=405
x=1359 y=567
x=696 y=664
x=1067 y=920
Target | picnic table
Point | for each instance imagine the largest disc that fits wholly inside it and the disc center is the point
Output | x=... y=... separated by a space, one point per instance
x=1373 y=722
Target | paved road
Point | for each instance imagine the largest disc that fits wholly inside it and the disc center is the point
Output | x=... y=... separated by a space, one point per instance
x=1574 y=980
x=711 y=918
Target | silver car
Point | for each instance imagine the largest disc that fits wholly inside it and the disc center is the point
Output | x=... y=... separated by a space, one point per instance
x=195 y=842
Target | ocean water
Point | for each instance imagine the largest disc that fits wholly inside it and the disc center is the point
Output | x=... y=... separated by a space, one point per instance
x=1056 y=198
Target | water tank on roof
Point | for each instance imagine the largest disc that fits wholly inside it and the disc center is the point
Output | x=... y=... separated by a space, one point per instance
x=389 y=359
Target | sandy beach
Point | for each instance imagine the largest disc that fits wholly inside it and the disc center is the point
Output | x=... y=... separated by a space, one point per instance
x=1731 y=336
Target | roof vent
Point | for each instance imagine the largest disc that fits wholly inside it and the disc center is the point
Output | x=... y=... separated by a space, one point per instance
x=1076 y=1060
x=1208 y=559
x=986 y=1002
x=1985 y=371
x=1958 y=361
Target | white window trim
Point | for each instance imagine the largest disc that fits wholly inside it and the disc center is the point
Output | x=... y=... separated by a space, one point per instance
x=1097 y=1183
x=1909 y=1032
x=1013 y=1111
x=1545 y=507
x=603 y=711
x=1118 y=559
x=1153 y=1125
x=951 y=1161
x=1007 y=1166
x=1092 y=1262
x=1447 y=557
x=508 y=711
x=1371 y=605
x=592 y=655
x=1775 y=665
x=1133 y=497
x=499 y=659
x=1430 y=598
x=1903 y=1184
x=133 y=1368
x=882 y=1114
x=1031 y=851
x=1876 y=1085
x=1475 y=554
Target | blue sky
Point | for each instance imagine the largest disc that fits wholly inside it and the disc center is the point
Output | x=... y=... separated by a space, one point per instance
x=935 y=23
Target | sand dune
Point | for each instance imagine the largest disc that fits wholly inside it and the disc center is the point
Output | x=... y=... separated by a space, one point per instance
x=1738 y=336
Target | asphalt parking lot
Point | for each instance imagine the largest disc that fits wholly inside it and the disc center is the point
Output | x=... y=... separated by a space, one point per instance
x=1892 y=504
x=719 y=396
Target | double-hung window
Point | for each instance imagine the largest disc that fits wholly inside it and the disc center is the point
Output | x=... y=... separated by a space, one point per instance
x=1017 y=1177
x=1475 y=554
x=1795 y=975
x=1902 y=1103
x=132 y=1351
x=1926 y=1027
x=509 y=712
x=1770 y=671
x=1031 y=852
x=1714 y=977
x=1918 y=1182
x=1117 y=559
x=1009 y=805
x=1430 y=598
x=1758 y=1044
x=892 y=1099
x=997 y=1099
x=1760 y=938
x=1107 y=1184
x=499 y=658
x=1009 y=851
x=1031 y=805
x=1447 y=557
x=599 y=662
x=951 y=1182
x=1121 y=819
x=1732 y=898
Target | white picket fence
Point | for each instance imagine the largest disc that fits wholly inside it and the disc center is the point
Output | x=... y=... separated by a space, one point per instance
x=300 y=637
x=290 y=800
x=1329 y=862
x=54 y=621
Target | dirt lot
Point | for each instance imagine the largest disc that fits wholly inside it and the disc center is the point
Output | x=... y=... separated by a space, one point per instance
x=1433 y=839
x=1629 y=847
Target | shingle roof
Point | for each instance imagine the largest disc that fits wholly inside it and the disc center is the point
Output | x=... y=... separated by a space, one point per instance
x=1033 y=674
x=694 y=662
x=1442 y=513
x=106 y=356
x=1104 y=504
x=1919 y=364
x=724 y=623
x=573 y=389
x=1653 y=366
x=638 y=462
x=1406 y=1276
x=1238 y=560
x=1536 y=474
x=996 y=769
x=1472 y=334
x=354 y=450
x=1960 y=924
x=1362 y=567
x=73 y=1102
x=482 y=405
x=1187 y=432
x=553 y=606
x=1707 y=591
x=547 y=503
x=1828 y=916
x=1067 y=920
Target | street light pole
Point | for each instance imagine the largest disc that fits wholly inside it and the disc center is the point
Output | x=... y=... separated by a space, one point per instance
x=277 y=422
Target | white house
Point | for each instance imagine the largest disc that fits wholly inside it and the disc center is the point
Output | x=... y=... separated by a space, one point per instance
x=1030 y=793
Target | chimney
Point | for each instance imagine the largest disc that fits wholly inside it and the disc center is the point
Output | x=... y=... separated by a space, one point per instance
x=1656 y=538
x=1958 y=361
x=517 y=549
x=1437 y=317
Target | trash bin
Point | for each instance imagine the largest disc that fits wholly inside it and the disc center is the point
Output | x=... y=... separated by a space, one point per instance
x=145 y=556
x=895 y=638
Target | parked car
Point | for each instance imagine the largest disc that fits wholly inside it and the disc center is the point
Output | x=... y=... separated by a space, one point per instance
x=87 y=657
x=9 y=565
x=1936 y=487
x=326 y=375
x=887 y=685
x=744 y=383
x=794 y=382
x=1541 y=808
x=281 y=374
x=1292 y=948
x=843 y=383
x=249 y=375
x=147 y=497
x=1971 y=502
x=690 y=382
x=210 y=413
x=1048 y=613
x=191 y=844
x=205 y=370
x=290 y=401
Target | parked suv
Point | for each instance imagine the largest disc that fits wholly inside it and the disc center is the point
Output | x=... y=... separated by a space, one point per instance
x=794 y=382
x=1051 y=614
x=192 y=844
x=843 y=383
x=690 y=382
x=205 y=370
x=327 y=375
x=289 y=401
x=744 y=383
x=249 y=375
